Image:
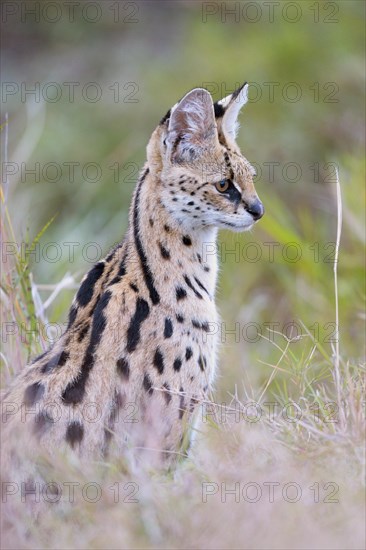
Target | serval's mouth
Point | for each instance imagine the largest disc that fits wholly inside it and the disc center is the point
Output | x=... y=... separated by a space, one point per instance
x=238 y=227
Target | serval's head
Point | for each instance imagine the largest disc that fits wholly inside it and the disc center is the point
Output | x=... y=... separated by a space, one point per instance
x=205 y=179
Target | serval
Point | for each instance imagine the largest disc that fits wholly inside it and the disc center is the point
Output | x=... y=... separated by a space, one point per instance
x=140 y=343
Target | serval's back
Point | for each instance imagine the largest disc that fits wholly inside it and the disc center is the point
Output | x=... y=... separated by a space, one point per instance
x=139 y=353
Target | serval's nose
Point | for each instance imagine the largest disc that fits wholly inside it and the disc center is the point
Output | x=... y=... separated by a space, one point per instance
x=256 y=209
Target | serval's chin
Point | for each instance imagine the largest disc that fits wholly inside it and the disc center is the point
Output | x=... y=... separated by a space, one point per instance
x=138 y=356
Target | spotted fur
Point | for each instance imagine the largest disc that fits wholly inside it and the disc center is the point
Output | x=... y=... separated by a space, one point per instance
x=139 y=326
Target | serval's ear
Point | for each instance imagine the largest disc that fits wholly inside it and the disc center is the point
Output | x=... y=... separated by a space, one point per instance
x=192 y=127
x=228 y=109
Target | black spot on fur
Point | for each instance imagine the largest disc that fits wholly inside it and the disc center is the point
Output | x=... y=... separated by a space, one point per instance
x=201 y=325
x=74 y=433
x=134 y=287
x=110 y=255
x=180 y=293
x=122 y=266
x=158 y=361
x=123 y=368
x=72 y=315
x=33 y=394
x=201 y=363
x=58 y=360
x=187 y=240
x=192 y=404
x=219 y=110
x=168 y=328
x=166 y=228
x=148 y=276
x=180 y=318
x=202 y=287
x=83 y=333
x=133 y=332
x=85 y=292
x=189 y=284
x=164 y=252
x=121 y=271
x=147 y=384
x=189 y=353
x=228 y=164
x=74 y=391
x=177 y=364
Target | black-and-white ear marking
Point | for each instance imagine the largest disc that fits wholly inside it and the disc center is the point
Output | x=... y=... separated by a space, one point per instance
x=192 y=126
x=229 y=108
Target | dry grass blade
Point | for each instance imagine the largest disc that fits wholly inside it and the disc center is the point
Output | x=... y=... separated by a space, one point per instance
x=336 y=355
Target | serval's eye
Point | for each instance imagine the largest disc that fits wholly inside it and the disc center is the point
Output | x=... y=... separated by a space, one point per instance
x=222 y=186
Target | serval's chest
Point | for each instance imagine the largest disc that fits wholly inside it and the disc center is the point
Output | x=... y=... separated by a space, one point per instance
x=172 y=343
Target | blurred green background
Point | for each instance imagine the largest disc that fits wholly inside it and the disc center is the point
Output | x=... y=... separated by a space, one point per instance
x=306 y=109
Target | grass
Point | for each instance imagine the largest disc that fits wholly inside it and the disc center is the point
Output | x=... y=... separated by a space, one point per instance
x=278 y=465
